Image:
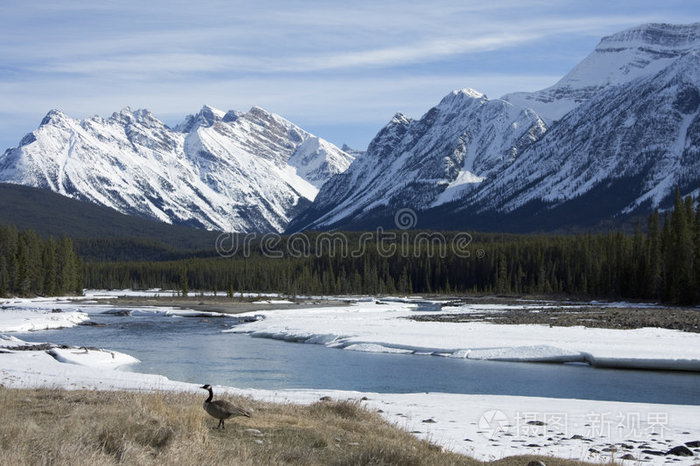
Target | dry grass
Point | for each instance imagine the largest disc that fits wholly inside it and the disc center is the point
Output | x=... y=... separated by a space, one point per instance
x=60 y=427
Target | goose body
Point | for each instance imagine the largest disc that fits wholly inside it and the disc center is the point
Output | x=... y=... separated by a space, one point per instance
x=221 y=409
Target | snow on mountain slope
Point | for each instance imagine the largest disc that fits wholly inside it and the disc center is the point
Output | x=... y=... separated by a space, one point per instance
x=627 y=134
x=226 y=171
x=647 y=130
x=450 y=150
x=618 y=59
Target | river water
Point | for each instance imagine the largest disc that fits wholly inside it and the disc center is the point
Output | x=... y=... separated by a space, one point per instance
x=195 y=350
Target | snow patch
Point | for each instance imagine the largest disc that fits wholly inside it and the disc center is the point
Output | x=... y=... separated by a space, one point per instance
x=29 y=320
x=386 y=326
x=92 y=357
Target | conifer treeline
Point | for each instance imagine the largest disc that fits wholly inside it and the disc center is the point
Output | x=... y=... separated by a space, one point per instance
x=662 y=264
x=30 y=265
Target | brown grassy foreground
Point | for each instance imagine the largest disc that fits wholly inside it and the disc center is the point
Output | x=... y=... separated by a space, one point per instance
x=60 y=427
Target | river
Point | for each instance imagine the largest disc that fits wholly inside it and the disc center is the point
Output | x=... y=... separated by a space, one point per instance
x=195 y=350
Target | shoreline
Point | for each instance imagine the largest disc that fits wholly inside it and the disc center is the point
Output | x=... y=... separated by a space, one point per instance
x=557 y=312
x=485 y=427
x=221 y=304
x=590 y=316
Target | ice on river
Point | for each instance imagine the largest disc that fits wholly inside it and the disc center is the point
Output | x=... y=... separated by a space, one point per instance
x=386 y=326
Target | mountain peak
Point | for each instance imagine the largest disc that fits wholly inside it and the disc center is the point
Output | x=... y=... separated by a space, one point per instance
x=206 y=117
x=673 y=36
x=352 y=151
x=124 y=113
x=140 y=115
x=414 y=163
x=211 y=112
x=143 y=114
x=264 y=117
x=231 y=177
x=400 y=118
x=460 y=97
x=468 y=92
x=231 y=116
x=53 y=116
x=260 y=112
x=618 y=59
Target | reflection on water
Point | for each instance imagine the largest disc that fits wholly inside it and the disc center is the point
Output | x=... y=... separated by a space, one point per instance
x=195 y=350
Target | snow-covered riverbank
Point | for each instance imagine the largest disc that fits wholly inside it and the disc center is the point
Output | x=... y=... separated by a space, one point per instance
x=27 y=320
x=385 y=327
x=483 y=426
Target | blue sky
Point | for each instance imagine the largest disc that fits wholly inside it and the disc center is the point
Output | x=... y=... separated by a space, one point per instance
x=338 y=69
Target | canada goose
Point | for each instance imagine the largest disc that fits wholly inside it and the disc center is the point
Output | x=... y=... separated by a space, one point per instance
x=221 y=409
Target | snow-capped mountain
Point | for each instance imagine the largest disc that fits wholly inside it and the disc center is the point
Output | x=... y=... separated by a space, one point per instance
x=228 y=171
x=618 y=59
x=639 y=140
x=417 y=163
x=621 y=131
x=611 y=140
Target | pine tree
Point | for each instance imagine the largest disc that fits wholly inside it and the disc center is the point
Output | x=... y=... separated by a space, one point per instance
x=403 y=280
x=78 y=278
x=502 y=280
x=66 y=269
x=696 y=263
x=4 y=277
x=31 y=263
x=22 y=280
x=682 y=252
x=184 y=289
x=653 y=267
x=542 y=283
x=48 y=265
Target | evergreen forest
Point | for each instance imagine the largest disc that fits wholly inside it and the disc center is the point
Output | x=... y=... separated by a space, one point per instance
x=32 y=266
x=660 y=262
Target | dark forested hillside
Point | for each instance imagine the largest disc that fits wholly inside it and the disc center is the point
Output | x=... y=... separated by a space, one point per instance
x=99 y=233
x=32 y=266
x=660 y=264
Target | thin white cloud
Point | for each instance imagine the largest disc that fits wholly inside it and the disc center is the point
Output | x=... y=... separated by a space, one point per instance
x=291 y=37
x=319 y=61
x=419 y=51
